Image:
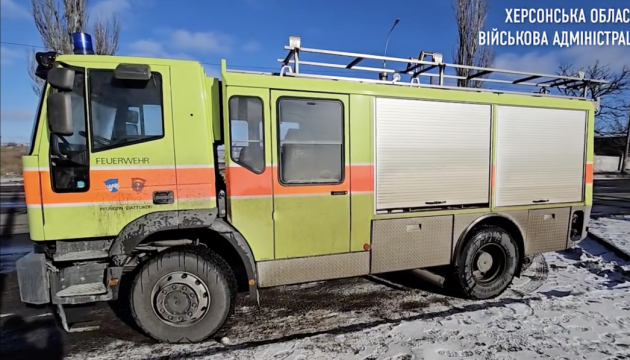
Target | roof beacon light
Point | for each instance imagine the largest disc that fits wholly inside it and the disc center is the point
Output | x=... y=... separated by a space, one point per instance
x=82 y=44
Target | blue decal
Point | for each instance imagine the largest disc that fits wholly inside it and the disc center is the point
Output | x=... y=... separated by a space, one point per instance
x=112 y=185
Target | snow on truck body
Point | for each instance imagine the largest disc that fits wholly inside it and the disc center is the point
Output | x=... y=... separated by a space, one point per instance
x=325 y=177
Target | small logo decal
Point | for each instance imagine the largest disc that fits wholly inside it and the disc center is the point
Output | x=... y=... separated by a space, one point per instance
x=137 y=184
x=112 y=185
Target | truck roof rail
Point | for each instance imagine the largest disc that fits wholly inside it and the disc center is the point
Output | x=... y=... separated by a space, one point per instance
x=431 y=65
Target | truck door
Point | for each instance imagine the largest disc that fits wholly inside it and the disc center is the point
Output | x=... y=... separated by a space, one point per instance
x=119 y=164
x=310 y=179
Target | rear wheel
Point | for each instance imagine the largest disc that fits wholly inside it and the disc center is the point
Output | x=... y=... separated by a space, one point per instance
x=487 y=263
x=183 y=295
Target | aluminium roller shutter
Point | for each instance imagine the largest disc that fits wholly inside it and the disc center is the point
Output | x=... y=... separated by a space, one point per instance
x=431 y=153
x=540 y=155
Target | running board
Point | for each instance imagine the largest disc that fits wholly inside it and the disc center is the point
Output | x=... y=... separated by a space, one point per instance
x=83 y=290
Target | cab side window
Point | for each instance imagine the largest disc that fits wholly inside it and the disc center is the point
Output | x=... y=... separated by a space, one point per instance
x=246 y=132
x=124 y=112
x=311 y=147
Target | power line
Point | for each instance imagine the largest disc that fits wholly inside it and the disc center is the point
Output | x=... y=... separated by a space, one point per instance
x=203 y=63
x=268 y=68
x=19 y=44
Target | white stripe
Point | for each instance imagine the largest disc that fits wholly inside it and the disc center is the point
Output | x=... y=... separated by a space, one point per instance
x=5 y=315
x=110 y=203
x=275 y=165
x=235 y=165
x=212 y=198
x=195 y=166
x=116 y=203
x=243 y=197
x=136 y=167
x=303 y=195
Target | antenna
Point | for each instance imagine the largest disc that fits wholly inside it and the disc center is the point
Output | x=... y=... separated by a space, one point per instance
x=383 y=75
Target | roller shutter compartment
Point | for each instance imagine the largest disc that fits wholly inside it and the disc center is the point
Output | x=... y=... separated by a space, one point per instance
x=431 y=153
x=540 y=155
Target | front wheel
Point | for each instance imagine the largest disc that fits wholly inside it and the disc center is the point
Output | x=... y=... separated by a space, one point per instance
x=183 y=295
x=487 y=263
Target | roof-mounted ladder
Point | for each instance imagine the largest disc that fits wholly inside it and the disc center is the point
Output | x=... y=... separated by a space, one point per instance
x=429 y=64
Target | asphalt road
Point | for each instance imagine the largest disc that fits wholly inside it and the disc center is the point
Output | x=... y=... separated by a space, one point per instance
x=611 y=197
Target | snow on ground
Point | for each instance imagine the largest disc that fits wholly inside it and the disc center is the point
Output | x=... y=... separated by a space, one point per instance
x=581 y=312
x=615 y=230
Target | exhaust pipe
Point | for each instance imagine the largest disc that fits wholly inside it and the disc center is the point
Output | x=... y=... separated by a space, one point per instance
x=430 y=277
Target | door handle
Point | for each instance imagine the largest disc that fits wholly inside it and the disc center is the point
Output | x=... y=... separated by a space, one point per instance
x=163 y=197
x=333 y=193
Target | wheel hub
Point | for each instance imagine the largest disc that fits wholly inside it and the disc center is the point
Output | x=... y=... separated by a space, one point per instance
x=484 y=262
x=489 y=263
x=180 y=299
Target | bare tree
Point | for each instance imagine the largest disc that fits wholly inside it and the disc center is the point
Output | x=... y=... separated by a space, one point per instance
x=471 y=17
x=614 y=96
x=56 y=20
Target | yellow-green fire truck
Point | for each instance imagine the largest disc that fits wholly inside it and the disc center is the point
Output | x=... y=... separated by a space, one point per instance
x=326 y=177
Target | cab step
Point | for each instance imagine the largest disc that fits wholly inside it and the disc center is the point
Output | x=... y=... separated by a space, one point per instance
x=89 y=289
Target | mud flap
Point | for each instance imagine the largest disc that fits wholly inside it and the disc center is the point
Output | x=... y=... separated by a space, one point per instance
x=32 y=277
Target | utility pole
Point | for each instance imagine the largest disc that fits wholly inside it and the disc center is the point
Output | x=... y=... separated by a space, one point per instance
x=624 y=156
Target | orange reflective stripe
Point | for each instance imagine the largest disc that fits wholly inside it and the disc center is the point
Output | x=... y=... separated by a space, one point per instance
x=362 y=178
x=588 y=174
x=32 y=194
x=186 y=183
x=310 y=189
x=242 y=182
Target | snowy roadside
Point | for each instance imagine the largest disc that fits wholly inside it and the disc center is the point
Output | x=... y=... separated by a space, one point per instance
x=581 y=312
x=614 y=230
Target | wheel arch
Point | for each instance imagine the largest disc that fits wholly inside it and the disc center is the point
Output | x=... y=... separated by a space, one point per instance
x=163 y=223
x=503 y=221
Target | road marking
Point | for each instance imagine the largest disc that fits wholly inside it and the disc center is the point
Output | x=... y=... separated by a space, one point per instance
x=30 y=317
x=41 y=315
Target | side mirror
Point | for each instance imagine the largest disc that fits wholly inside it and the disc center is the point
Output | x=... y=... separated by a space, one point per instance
x=61 y=78
x=59 y=114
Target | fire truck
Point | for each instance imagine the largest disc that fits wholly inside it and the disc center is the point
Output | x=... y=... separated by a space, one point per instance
x=342 y=171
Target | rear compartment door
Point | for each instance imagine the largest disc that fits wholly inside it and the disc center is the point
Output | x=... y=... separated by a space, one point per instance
x=311 y=181
x=540 y=156
x=131 y=159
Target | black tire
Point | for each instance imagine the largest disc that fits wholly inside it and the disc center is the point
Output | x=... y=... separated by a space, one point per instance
x=208 y=270
x=498 y=241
